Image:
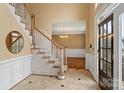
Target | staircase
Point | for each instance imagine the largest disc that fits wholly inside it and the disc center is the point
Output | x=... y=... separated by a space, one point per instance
x=48 y=58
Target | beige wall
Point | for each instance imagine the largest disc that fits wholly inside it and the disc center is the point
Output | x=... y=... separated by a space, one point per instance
x=90 y=31
x=7 y=24
x=47 y=14
x=75 y=41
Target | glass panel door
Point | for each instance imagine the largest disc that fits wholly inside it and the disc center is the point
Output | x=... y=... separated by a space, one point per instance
x=105 y=57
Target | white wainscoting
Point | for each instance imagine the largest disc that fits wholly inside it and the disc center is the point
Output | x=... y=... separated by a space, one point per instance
x=12 y=71
x=75 y=52
x=90 y=64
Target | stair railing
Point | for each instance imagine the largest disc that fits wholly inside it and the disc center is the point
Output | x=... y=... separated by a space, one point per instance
x=22 y=10
x=56 y=50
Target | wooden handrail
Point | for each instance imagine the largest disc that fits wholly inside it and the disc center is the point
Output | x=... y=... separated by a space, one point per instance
x=50 y=39
x=28 y=9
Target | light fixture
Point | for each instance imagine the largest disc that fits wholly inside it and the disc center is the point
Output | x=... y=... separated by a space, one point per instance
x=62 y=36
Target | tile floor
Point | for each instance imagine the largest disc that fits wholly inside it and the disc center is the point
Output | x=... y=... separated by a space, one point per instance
x=76 y=79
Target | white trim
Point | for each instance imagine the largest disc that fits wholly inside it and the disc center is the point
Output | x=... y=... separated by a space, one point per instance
x=120 y=52
x=106 y=10
x=13 y=59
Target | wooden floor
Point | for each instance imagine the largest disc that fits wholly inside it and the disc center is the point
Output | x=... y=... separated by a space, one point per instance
x=76 y=63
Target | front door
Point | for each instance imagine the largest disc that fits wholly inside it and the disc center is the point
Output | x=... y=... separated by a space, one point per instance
x=105 y=51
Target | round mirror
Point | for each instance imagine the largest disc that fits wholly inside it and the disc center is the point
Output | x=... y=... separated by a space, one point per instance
x=14 y=42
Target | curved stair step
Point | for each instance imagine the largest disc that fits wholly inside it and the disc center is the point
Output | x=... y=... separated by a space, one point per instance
x=40 y=52
x=50 y=61
x=55 y=66
x=35 y=48
x=46 y=57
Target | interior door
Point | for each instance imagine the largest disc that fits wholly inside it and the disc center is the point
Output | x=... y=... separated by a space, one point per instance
x=105 y=52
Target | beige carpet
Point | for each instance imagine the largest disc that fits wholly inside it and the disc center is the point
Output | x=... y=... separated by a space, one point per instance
x=76 y=79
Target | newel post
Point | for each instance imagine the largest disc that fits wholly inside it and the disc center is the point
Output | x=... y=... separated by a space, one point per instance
x=33 y=29
x=61 y=74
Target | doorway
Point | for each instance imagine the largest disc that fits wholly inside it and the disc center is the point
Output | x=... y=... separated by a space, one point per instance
x=105 y=49
x=71 y=35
